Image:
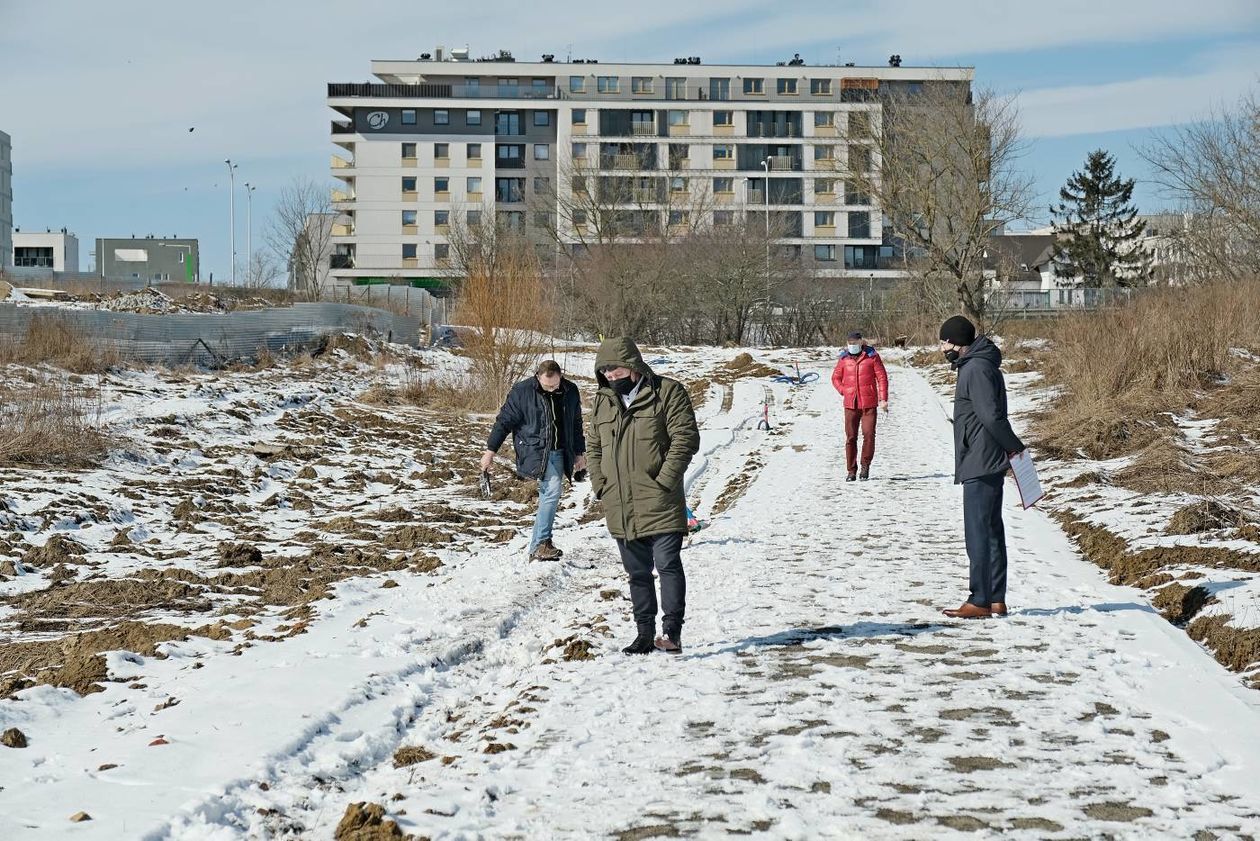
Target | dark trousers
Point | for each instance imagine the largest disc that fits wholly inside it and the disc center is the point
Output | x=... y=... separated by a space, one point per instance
x=853 y=418
x=664 y=552
x=986 y=538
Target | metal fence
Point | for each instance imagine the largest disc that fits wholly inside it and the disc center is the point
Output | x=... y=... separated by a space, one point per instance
x=209 y=339
x=408 y=300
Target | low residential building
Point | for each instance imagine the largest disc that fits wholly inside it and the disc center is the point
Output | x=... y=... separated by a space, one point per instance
x=49 y=251
x=152 y=259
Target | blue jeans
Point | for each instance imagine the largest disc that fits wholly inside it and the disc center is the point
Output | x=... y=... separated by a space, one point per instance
x=550 y=487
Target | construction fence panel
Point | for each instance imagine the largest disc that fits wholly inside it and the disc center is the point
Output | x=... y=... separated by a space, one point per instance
x=212 y=339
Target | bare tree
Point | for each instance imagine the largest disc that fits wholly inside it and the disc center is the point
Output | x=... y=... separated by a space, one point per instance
x=1212 y=167
x=942 y=169
x=263 y=271
x=299 y=234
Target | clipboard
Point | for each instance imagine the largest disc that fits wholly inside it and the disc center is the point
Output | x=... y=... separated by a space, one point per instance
x=1030 y=491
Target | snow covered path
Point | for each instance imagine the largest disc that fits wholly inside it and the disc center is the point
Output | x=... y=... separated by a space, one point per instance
x=822 y=694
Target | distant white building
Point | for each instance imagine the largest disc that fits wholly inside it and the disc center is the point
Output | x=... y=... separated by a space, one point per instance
x=6 y=201
x=51 y=251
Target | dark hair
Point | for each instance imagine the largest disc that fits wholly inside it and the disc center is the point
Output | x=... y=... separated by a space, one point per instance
x=548 y=366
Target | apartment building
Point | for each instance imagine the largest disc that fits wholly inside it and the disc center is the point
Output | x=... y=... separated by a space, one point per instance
x=150 y=258
x=6 y=200
x=444 y=141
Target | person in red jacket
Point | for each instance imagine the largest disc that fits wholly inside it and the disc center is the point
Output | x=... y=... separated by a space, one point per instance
x=863 y=385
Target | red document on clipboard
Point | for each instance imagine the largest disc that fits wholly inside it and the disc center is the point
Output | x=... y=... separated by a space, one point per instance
x=1026 y=479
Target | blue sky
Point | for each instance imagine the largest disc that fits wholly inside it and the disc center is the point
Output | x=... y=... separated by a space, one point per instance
x=99 y=97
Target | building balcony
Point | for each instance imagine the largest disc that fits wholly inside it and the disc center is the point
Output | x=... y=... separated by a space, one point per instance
x=643 y=129
x=783 y=163
x=622 y=162
x=341 y=163
x=338 y=196
x=438 y=90
x=341 y=261
x=342 y=127
x=341 y=230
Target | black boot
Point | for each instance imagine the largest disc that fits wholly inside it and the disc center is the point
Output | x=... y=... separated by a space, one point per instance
x=866 y=472
x=852 y=477
x=644 y=643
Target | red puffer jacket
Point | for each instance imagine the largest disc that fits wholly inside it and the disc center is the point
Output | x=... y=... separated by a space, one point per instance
x=861 y=379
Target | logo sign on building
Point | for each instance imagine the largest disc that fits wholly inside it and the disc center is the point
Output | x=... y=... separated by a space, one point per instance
x=377 y=120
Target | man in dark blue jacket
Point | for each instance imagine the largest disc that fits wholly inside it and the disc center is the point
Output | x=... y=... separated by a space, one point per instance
x=983 y=445
x=544 y=416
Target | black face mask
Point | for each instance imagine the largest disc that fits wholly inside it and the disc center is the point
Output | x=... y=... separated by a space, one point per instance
x=623 y=386
x=952 y=356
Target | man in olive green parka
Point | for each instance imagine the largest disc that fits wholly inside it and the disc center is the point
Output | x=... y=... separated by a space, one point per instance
x=642 y=436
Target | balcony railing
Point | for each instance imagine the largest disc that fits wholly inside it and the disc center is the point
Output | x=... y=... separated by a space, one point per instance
x=439 y=90
x=341 y=163
x=643 y=129
x=621 y=162
x=645 y=195
x=341 y=195
x=341 y=127
x=781 y=163
x=341 y=261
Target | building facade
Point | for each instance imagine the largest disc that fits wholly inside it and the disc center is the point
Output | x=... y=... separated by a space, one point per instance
x=52 y=251
x=445 y=142
x=6 y=200
x=151 y=259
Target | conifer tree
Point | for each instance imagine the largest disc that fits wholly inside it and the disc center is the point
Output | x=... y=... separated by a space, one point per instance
x=1096 y=229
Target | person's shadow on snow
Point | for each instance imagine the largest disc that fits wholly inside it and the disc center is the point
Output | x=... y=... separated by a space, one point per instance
x=857 y=630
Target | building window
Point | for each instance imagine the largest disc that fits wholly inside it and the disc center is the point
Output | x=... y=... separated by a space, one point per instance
x=824 y=119
x=542 y=185
x=513 y=220
x=723 y=153
x=859 y=158
x=723 y=217
x=854 y=195
x=474 y=185
x=474 y=218
x=409 y=117
x=824 y=219
x=754 y=86
x=441 y=217
x=719 y=89
x=579 y=116
x=441 y=185
x=441 y=151
x=678 y=118
x=441 y=251
x=859 y=124
x=860 y=225
x=608 y=84
x=678 y=184
x=577 y=84
x=579 y=185
x=472 y=85
x=509 y=189
x=474 y=151
x=579 y=150
x=675 y=88
x=441 y=117
x=409 y=251
x=539 y=86
x=472 y=118
x=824 y=153
x=579 y=218
x=543 y=220
x=408 y=217
x=825 y=253
x=642 y=84
x=507 y=122
x=678 y=153
x=820 y=87
x=509 y=152
x=678 y=217
x=542 y=118
x=409 y=185
x=542 y=152
x=824 y=185
x=786 y=87
x=723 y=185
x=409 y=151
x=723 y=118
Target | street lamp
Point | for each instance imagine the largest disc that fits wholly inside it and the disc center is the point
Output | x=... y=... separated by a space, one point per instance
x=766 y=164
x=232 y=212
x=249 y=228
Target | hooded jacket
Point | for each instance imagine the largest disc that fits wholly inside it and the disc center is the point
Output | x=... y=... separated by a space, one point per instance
x=861 y=379
x=638 y=455
x=983 y=438
x=527 y=415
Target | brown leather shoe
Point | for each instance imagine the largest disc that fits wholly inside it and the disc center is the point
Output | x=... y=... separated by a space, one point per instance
x=998 y=608
x=668 y=645
x=969 y=611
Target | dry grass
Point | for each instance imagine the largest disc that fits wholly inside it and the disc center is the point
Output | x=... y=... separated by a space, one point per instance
x=50 y=424
x=52 y=340
x=1122 y=367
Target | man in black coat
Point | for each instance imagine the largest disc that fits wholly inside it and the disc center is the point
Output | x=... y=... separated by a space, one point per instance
x=983 y=446
x=544 y=416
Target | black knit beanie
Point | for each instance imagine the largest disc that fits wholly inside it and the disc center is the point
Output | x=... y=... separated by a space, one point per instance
x=958 y=330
